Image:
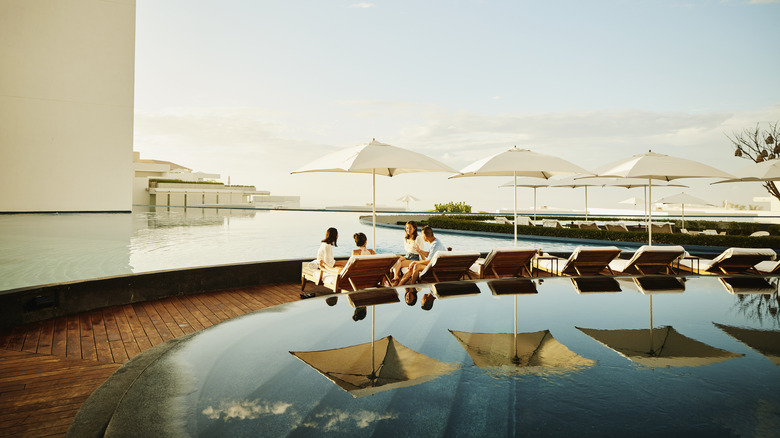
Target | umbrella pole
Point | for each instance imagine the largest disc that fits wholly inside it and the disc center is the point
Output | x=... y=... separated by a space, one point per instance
x=373 y=208
x=515 y=358
x=586 y=203
x=651 y=326
x=649 y=211
x=373 y=322
x=683 y=214
x=515 y=188
x=534 y=204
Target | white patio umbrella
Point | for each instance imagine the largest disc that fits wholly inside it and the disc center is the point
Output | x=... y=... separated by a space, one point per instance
x=407 y=198
x=768 y=170
x=653 y=166
x=520 y=162
x=533 y=183
x=377 y=159
x=573 y=182
x=630 y=183
x=683 y=198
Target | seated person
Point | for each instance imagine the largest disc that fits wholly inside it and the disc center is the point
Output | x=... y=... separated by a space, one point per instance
x=360 y=241
x=325 y=260
x=415 y=268
x=413 y=243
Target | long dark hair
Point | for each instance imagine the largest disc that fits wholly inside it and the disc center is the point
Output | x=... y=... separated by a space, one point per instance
x=412 y=236
x=330 y=236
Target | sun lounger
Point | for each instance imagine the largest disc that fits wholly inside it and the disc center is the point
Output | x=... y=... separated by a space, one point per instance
x=448 y=266
x=512 y=286
x=504 y=262
x=620 y=226
x=760 y=234
x=748 y=285
x=360 y=272
x=503 y=220
x=662 y=228
x=551 y=223
x=595 y=285
x=649 y=260
x=591 y=260
x=588 y=226
x=731 y=261
x=768 y=267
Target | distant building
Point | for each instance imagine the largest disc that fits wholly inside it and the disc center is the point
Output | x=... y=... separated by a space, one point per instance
x=66 y=100
x=163 y=183
x=268 y=201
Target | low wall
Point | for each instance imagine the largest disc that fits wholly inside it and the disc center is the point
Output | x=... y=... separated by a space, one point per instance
x=30 y=304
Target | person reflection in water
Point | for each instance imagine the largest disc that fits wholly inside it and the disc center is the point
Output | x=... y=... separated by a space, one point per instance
x=427 y=301
x=410 y=296
x=360 y=313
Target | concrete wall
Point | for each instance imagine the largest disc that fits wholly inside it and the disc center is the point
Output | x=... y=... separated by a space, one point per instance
x=66 y=105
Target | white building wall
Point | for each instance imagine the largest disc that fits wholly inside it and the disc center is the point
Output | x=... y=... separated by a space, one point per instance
x=66 y=105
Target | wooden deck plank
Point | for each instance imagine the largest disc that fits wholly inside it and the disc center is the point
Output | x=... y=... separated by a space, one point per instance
x=193 y=324
x=126 y=332
x=59 y=337
x=143 y=318
x=73 y=347
x=137 y=329
x=87 y=337
x=47 y=336
x=102 y=347
x=31 y=336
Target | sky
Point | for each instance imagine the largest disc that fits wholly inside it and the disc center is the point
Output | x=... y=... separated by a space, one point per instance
x=254 y=90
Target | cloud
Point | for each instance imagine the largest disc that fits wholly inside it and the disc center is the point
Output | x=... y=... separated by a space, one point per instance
x=244 y=410
x=362 y=5
x=332 y=420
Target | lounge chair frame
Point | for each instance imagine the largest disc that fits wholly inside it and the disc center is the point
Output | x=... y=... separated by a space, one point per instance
x=507 y=262
x=448 y=266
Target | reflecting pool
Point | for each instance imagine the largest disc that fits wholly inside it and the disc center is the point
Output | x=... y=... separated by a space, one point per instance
x=658 y=356
x=38 y=249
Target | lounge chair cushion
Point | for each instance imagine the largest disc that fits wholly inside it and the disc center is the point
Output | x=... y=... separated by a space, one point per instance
x=588 y=260
x=504 y=262
x=730 y=261
x=361 y=272
x=448 y=266
x=648 y=260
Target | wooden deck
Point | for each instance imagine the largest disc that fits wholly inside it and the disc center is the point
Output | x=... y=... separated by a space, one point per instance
x=48 y=369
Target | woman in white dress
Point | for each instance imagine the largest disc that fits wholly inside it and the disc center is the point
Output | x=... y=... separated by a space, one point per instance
x=413 y=246
x=360 y=241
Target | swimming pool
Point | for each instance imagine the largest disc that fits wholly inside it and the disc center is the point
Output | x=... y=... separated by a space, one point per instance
x=653 y=357
x=38 y=249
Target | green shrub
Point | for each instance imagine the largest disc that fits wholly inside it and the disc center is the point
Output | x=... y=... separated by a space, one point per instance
x=453 y=207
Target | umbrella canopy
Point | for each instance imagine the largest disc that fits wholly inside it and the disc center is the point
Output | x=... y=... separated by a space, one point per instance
x=531 y=182
x=398 y=366
x=664 y=347
x=407 y=198
x=520 y=162
x=653 y=166
x=766 y=342
x=573 y=182
x=377 y=159
x=683 y=198
x=537 y=353
x=768 y=170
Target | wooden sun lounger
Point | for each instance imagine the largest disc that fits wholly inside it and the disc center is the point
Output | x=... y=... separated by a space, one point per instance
x=592 y=260
x=504 y=262
x=620 y=226
x=730 y=261
x=448 y=266
x=360 y=272
x=649 y=260
x=768 y=267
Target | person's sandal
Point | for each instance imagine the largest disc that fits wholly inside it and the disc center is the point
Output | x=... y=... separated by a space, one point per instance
x=308 y=295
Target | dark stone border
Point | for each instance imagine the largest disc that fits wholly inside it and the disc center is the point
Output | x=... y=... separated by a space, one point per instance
x=37 y=303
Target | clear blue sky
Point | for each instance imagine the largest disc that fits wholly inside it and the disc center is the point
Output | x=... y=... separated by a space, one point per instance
x=255 y=89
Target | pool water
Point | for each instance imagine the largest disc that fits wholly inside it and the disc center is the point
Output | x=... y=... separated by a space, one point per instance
x=538 y=359
x=38 y=249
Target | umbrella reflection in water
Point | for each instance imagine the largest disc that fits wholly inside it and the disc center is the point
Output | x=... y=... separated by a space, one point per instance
x=537 y=353
x=375 y=366
x=659 y=347
x=766 y=342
